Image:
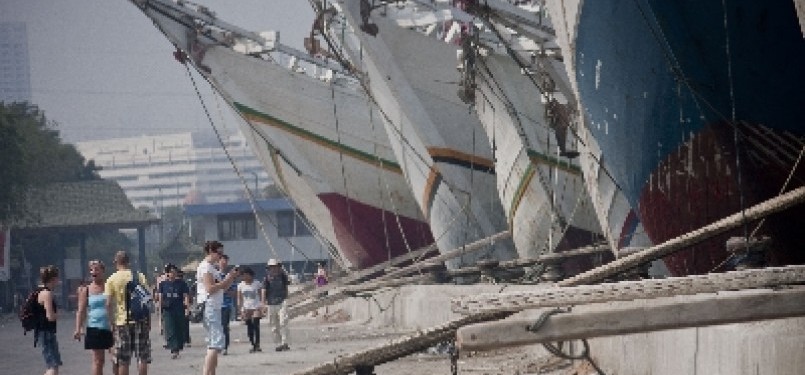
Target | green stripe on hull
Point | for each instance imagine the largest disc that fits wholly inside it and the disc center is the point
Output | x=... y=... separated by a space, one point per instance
x=521 y=188
x=540 y=158
x=537 y=158
x=251 y=113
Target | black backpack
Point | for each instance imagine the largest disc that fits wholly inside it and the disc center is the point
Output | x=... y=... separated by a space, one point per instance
x=32 y=314
x=139 y=303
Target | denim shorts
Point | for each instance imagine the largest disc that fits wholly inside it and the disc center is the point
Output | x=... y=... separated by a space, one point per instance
x=50 y=349
x=212 y=323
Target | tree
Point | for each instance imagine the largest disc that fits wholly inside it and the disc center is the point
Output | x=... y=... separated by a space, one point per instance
x=12 y=172
x=33 y=154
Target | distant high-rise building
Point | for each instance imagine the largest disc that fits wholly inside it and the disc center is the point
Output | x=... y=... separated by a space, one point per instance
x=15 y=74
x=174 y=169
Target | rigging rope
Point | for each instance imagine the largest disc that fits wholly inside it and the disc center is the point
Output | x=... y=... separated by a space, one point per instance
x=763 y=220
x=232 y=162
x=341 y=160
x=563 y=222
x=331 y=250
x=209 y=117
x=573 y=131
x=736 y=141
x=405 y=141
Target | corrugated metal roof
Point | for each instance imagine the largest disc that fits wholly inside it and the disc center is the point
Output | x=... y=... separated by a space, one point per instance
x=81 y=204
x=263 y=205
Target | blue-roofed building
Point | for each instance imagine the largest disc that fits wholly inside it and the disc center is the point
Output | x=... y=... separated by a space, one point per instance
x=234 y=225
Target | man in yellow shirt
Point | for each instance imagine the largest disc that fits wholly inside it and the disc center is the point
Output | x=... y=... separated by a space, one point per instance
x=131 y=337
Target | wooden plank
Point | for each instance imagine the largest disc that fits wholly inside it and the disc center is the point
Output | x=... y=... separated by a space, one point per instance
x=629 y=290
x=346 y=292
x=515 y=263
x=622 y=318
x=758 y=211
x=587 y=250
x=469 y=248
x=310 y=290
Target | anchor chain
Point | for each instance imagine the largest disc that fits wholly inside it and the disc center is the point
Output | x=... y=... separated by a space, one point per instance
x=454 y=359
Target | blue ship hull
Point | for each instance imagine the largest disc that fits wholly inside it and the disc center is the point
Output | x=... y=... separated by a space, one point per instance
x=667 y=85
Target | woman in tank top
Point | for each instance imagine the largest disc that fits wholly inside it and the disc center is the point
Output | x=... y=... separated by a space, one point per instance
x=92 y=312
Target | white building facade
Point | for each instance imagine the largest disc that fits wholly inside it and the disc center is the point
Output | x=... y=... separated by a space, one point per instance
x=170 y=170
x=289 y=239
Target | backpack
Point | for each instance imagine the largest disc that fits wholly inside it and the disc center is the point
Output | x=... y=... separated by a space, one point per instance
x=32 y=313
x=139 y=303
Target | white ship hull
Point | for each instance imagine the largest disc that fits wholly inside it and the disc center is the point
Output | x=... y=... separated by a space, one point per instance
x=543 y=192
x=442 y=146
x=323 y=142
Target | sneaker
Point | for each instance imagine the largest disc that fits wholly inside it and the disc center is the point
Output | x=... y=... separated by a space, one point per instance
x=258 y=349
x=174 y=355
x=283 y=348
x=226 y=352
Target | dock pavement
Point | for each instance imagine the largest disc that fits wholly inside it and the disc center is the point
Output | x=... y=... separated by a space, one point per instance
x=313 y=341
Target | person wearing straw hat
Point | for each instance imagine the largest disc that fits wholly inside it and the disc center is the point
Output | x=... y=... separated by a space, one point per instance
x=275 y=291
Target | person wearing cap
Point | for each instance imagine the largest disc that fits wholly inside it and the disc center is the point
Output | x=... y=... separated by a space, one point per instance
x=192 y=293
x=275 y=291
x=173 y=297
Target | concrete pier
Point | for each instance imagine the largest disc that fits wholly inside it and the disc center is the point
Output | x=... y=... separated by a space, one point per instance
x=766 y=347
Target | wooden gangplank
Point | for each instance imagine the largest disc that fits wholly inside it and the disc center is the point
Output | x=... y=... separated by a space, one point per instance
x=517 y=263
x=310 y=289
x=620 y=318
x=350 y=291
x=454 y=253
x=394 y=278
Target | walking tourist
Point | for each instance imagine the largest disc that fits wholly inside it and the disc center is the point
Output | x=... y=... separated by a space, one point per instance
x=211 y=293
x=92 y=313
x=229 y=300
x=250 y=307
x=46 y=327
x=192 y=293
x=132 y=335
x=321 y=281
x=173 y=297
x=275 y=291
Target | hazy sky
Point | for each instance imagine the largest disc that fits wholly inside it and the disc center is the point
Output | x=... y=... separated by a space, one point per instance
x=102 y=70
